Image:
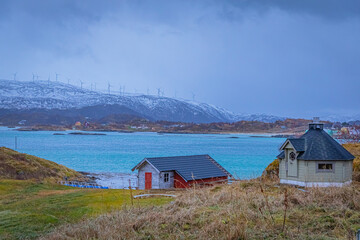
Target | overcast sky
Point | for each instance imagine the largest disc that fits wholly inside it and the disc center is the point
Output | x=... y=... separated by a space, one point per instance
x=297 y=58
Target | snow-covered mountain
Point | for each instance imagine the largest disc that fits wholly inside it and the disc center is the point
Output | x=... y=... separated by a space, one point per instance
x=55 y=95
x=340 y=118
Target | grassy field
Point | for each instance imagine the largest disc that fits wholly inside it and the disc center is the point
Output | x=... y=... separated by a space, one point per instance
x=243 y=210
x=29 y=209
x=254 y=209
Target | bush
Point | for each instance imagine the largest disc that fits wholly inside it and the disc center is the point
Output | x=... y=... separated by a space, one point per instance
x=273 y=169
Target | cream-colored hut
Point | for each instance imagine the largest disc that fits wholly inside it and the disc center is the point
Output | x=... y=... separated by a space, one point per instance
x=315 y=159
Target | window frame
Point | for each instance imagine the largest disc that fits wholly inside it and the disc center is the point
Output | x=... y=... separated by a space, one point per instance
x=319 y=170
x=166 y=177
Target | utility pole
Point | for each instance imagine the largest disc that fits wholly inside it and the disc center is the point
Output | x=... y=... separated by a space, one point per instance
x=15 y=76
x=109 y=86
x=159 y=92
x=56 y=74
x=33 y=77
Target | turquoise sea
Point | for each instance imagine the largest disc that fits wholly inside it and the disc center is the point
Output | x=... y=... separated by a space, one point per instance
x=242 y=155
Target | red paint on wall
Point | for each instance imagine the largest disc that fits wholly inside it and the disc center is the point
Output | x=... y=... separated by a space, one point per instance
x=179 y=182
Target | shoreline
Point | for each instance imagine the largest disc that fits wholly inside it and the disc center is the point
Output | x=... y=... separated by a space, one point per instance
x=112 y=180
x=101 y=132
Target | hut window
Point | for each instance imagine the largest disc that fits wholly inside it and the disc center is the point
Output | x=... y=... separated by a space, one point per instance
x=166 y=177
x=325 y=167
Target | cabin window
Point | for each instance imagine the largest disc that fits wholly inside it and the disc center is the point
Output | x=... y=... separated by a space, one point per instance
x=325 y=167
x=166 y=177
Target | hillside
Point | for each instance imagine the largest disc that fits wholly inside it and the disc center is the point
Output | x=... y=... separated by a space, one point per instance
x=19 y=97
x=15 y=165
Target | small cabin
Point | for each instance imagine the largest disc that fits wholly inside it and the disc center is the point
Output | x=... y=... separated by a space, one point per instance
x=315 y=159
x=179 y=172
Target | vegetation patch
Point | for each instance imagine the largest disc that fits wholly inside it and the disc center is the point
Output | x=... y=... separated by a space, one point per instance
x=29 y=209
x=258 y=210
x=354 y=149
x=15 y=165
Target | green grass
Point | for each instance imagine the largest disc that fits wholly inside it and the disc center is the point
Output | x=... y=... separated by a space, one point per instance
x=29 y=209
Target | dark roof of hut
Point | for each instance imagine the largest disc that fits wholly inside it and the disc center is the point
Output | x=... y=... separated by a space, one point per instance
x=188 y=167
x=316 y=144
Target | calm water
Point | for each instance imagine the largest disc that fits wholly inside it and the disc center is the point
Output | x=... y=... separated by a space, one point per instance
x=244 y=156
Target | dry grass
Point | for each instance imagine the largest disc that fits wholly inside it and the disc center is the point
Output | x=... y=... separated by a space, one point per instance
x=243 y=210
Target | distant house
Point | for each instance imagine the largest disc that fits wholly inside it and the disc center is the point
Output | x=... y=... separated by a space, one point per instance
x=179 y=172
x=315 y=159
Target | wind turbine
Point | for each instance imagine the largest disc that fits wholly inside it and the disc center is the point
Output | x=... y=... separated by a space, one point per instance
x=56 y=74
x=109 y=86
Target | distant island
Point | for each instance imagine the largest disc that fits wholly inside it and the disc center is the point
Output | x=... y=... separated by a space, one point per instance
x=281 y=128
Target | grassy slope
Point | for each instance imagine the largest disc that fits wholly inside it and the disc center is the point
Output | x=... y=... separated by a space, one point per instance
x=29 y=209
x=35 y=204
x=243 y=210
x=15 y=165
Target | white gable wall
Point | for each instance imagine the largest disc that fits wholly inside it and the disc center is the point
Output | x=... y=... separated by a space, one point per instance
x=146 y=167
x=157 y=178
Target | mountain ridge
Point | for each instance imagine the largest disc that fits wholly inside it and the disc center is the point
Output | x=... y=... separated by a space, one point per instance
x=56 y=95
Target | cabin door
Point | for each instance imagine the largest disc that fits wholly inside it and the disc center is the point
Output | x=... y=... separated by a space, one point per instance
x=148 y=179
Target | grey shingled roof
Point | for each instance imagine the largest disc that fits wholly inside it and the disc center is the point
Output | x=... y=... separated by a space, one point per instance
x=316 y=144
x=189 y=167
x=298 y=144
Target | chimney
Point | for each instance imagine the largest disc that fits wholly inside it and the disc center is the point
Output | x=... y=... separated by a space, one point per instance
x=316 y=124
x=316 y=120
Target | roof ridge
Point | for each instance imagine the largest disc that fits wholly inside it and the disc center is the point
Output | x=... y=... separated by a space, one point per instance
x=180 y=156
